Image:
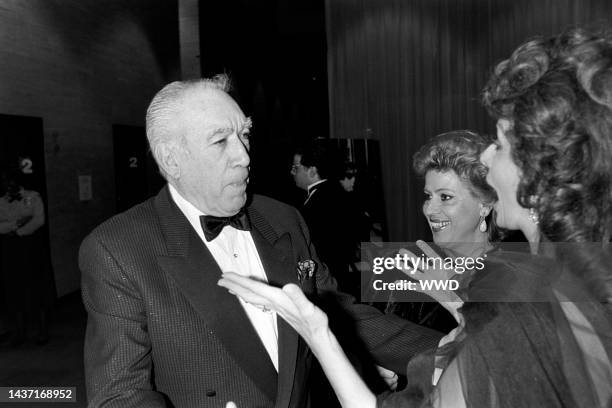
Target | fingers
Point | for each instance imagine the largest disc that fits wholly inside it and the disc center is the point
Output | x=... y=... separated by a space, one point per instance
x=249 y=290
x=393 y=383
x=290 y=303
x=230 y=404
x=410 y=271
x=430 y=253
x=260 y=294
x=388 y=376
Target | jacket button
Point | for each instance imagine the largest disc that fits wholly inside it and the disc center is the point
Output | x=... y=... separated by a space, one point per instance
x=211 y=393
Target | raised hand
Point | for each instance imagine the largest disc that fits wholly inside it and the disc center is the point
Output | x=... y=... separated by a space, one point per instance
x=434 y=272
x=311 y=323
x=289 y=302
x=389 y=377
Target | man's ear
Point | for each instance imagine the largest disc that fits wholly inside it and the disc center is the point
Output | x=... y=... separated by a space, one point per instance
x=485 y=210
x=166 y=159
x=313 y=173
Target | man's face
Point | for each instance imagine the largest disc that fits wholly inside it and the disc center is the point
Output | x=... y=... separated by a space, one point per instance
x=214 y=162
x=300 y=173
x=348 y=184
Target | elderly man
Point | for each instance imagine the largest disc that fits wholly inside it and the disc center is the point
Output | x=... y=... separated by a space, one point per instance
x=161 y=332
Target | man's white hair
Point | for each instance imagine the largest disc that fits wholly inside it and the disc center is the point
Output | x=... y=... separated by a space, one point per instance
x=167 y=104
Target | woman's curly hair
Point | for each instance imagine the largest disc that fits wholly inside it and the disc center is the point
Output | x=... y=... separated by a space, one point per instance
x=459 y=151
x=557 y=95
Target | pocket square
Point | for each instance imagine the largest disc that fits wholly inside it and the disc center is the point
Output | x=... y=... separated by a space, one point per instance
x=306 y=269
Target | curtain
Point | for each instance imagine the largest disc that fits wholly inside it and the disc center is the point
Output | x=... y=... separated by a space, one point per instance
x=402 y=71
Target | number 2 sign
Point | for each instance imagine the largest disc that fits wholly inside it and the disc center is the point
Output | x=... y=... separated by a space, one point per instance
x=25 y=164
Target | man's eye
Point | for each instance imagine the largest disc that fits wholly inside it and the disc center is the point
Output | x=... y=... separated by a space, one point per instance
x=445 y=197
x=246 y=135
x=221 y=141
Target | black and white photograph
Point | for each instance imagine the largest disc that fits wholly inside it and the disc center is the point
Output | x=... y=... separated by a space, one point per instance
x=306 y=203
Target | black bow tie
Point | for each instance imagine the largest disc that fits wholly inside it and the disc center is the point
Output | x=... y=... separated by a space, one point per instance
x=213 y=226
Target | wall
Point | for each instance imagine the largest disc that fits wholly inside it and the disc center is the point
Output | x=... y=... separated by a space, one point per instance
x=83 y=65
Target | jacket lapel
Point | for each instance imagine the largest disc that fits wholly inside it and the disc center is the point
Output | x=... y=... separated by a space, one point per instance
x=276 y=257
x=192 y=267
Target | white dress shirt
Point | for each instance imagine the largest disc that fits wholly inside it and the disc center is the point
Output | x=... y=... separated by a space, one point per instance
x=235 y=251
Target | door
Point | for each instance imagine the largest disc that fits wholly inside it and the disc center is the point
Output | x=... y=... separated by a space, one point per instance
x=136 y=175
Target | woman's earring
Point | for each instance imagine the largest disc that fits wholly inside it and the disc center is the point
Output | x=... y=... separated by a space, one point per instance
x=533 y=216
x=483 y=225
x=533 y=201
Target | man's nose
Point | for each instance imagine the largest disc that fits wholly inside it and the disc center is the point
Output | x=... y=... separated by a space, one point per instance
x=241 y=154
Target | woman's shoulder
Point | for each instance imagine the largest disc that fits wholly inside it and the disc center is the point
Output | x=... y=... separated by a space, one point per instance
x=511 y=258
x=510 y=276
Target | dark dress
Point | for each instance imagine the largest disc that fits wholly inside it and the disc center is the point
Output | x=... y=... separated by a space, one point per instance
x=535 y=335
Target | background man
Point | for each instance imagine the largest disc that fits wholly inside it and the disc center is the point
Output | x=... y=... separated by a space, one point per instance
x=324 y=210
x=160 y=331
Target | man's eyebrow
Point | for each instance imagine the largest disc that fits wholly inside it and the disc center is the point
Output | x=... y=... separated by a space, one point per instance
x=220 y=130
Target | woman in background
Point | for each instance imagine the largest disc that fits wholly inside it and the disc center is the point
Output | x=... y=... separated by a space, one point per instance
x=458 y=209
x=27 y=288
x=538 y=330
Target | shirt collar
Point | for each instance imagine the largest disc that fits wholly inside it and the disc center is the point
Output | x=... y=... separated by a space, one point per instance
x=190 y=211
x=316 y=183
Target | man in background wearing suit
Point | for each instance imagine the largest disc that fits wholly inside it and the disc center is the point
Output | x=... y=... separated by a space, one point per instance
x=325 y=210
x=160 y=331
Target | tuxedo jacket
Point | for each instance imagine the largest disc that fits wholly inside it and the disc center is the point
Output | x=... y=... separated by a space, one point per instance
x=162 y=333
x=329 y=225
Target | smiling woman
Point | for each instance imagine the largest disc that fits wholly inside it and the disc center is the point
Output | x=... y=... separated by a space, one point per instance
x=458 y=200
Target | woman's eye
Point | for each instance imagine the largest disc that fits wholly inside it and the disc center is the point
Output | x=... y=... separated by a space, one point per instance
x=426 y=196
x=445 y=197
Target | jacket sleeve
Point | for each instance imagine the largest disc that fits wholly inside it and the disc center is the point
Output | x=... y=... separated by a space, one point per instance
x=390 y=340
x=118 y=364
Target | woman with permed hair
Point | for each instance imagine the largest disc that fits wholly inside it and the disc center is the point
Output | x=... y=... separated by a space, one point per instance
x=537 y=329
x=458 y=206
x=458 y=200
